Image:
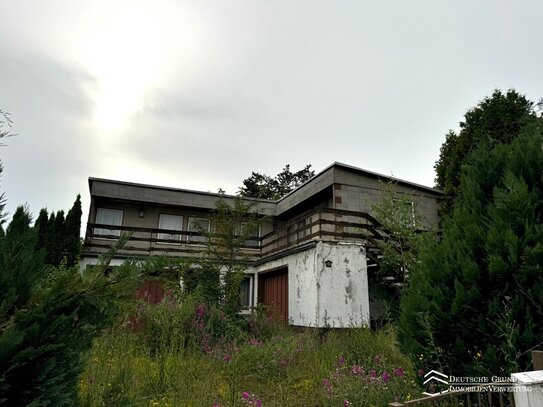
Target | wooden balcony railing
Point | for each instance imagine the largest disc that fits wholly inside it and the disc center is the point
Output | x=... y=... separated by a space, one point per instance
x=318 y=224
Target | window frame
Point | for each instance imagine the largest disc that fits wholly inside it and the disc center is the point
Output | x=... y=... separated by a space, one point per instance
x=113 y=234
x=190 y=238
x=179 y=236
x=258 y=235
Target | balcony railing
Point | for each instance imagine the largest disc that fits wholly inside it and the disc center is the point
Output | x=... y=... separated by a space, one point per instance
x=321 y=224
x=318 y=224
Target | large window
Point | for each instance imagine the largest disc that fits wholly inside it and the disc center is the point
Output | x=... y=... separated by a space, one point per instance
x=112 y=217
x=198 y=225
x=170 y=222
x=252 y=236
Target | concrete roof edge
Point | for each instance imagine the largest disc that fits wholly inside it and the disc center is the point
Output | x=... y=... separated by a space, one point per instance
x=191 y=191
x=378 y=175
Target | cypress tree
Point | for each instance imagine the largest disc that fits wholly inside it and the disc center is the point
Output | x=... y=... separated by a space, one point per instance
x=41 y=229
x=50 y=240
x=497 y=119
x=72 y=241
x=476 y=303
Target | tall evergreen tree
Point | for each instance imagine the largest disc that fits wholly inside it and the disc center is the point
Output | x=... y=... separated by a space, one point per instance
x=496 y=119
x=41 y=229
x=476 y=303
x=50 y=239
x=72 y=241
x=18 y=262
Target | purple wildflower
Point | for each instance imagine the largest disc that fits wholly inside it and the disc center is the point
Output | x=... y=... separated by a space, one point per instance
x=385 y=377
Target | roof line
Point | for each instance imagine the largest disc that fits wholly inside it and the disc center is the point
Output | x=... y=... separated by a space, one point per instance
x=378 y=175
x=165 y=188
x=361 y=170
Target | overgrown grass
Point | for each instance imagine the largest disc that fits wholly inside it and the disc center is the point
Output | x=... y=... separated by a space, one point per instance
x=183 y=353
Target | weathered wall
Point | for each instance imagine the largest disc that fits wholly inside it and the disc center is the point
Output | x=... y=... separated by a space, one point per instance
x=355 y=192
x=318 y=295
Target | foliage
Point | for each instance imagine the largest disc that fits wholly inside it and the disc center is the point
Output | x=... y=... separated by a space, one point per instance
x=402 y=227
x=225 y=256
x=476 y=303
x=404 y=236
x=496 y=119
x=152 y=367
x=266 y=187
x=48 y=318
x=59 y=236
x=5 y=120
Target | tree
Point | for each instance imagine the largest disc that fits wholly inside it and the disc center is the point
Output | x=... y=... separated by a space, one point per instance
x=72 y=240
x=41 y=229
x=403 y=240
x=50 y=316
x=5 y=120
x=59 y=236
x=266 y=187
x=496 y=119
x=225 y=255
x=476 y=303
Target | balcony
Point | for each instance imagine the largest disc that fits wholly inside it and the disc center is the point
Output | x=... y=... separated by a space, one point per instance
x=323 y=224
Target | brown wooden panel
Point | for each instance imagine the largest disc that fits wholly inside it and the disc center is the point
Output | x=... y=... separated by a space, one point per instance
x=150 y=291
x=275 y=293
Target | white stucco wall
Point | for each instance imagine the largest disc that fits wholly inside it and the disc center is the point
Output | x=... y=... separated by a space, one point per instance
x=336 y=296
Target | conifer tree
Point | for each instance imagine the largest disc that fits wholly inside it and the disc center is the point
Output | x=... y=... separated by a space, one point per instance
x=476 y=303
x=72 y=241
x=497 y=119
x=41 y=229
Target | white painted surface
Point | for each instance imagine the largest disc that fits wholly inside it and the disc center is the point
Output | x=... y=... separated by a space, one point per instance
x=86 y=261
x=529 y=388
x=319 y=296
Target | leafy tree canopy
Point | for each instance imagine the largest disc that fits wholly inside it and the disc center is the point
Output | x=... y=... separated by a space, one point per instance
x=266 y=187
x=498 y=118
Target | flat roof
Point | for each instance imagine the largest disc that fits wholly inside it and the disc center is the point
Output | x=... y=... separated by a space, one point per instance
x=164 y=188
x=364 y=172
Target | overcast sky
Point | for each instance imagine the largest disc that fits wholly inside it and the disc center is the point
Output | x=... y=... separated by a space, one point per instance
x=197 y=94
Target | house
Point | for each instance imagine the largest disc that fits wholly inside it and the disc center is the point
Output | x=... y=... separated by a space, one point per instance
x=313 y=260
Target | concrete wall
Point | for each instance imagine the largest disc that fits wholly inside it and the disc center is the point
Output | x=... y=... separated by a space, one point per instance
x=336 y=296
x=357 y=192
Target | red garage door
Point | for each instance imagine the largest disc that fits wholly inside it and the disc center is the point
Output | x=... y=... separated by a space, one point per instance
x=273 y=292
x=151 y=291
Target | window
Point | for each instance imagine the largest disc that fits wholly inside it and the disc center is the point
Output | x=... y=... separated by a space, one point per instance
x=245 y=293
x=112 y=217
x=198 y=225
x=170 y=222
x=252 y=238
